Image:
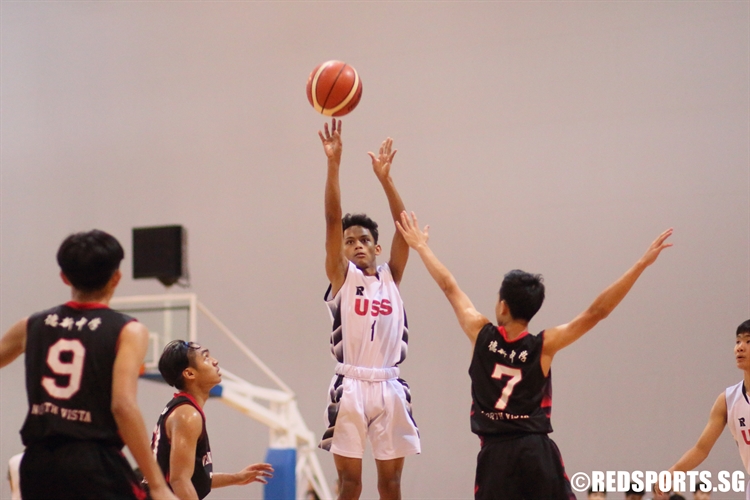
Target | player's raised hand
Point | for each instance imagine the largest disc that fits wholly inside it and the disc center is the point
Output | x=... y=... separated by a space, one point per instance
x=656 y=247
x=255 y=473
x=331 y=139
x=381 y=164
x=660 y=495
x=409 y=229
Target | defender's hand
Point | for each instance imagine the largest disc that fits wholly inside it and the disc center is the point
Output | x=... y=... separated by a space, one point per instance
x=409 y=229
x=656 y=247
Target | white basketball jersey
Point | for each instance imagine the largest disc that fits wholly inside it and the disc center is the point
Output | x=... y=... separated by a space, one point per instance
x=369 y=323
x=738 y=420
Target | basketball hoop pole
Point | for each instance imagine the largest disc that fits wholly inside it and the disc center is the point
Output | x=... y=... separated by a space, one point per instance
x=250 y=354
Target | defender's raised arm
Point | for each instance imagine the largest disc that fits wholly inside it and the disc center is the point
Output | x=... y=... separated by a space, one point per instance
x=469 y=318
x=564 y=335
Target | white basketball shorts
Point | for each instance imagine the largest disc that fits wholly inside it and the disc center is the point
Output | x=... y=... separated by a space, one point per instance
x=374 y=406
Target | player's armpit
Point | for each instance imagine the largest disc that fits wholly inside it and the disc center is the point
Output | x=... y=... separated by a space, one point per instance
x=336 y=269
x=13 y=343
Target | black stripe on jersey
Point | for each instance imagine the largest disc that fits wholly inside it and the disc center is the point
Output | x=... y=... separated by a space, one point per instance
x=404 y=341
x=337 y=332
x=333 y=411
x=407 y=394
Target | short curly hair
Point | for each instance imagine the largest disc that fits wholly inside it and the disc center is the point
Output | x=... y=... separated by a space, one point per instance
x=362 y=220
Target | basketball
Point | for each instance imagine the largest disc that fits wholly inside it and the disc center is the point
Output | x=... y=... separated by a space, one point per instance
x=334 y=88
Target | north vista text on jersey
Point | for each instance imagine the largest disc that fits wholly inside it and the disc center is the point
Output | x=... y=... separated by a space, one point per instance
x=501 y=415
x=66 y=413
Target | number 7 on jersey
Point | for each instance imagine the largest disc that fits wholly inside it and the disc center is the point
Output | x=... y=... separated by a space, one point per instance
x=514 y=375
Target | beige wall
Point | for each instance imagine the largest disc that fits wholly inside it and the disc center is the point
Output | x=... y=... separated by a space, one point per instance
x=557 y=137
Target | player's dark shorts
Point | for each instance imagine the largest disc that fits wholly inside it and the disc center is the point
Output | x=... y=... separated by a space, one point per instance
x=77 y=470
x=524 y=467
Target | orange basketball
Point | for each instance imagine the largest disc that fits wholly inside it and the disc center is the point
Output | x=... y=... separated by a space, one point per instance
x=334 y=88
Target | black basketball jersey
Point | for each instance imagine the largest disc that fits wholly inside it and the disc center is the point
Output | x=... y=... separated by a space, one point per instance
x=70 y=353
x=162 y=447
x=510 y=394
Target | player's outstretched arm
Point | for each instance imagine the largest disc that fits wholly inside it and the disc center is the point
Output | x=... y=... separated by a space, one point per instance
x=695 y=456
x=184 y=427
x=13 y=342
x=336 y=263
x=252 y=473
x=717 y=420
x=131 y=352
x=381 y=165
x=469 y=318
x=564 y=335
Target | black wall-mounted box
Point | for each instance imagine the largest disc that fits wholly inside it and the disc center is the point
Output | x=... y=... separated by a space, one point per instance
x=160 y=252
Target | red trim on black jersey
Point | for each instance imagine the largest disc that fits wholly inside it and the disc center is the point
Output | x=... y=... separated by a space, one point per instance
x=501 y=330
x=138 y=492
x=192 y=399
x=84 y=306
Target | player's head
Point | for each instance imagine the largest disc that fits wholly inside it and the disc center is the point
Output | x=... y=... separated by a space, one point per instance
x=523 y=294
x=361 y=220
x=596 y=495
x=360 y=240
x=742 y=346
x=700 y=494
x=183 y=361
x=90 y=259
x=631 y=494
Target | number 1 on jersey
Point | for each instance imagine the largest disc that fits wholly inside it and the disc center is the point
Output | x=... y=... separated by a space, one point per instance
x=372 y=331
x=515 y=377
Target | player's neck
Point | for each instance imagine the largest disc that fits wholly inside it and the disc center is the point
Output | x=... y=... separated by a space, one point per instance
x=370 y=270
x=747 y=380
x=98 y=297
x=514 y=328
x=200 y=396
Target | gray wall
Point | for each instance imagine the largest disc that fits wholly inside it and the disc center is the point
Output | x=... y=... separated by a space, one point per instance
x=556 y=137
